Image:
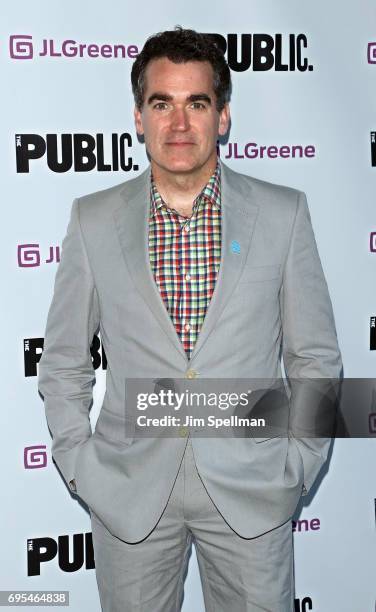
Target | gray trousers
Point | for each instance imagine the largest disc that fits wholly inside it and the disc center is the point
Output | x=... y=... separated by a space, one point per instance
x=237 y=574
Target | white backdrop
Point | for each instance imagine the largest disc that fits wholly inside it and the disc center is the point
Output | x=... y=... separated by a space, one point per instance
x=330 y=109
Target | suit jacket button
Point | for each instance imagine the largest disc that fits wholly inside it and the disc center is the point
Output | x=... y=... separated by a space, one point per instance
x=183 y=431
x=191 y=374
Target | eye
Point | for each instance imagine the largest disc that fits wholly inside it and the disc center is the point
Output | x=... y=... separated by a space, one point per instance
x=198 y=105
x=160 y=106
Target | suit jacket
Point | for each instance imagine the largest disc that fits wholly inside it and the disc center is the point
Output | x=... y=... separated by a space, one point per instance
x=270 y=301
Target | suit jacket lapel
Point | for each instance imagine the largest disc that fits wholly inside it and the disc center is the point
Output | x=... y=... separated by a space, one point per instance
x=238 y=218
x=239 y=213
x=131 y=220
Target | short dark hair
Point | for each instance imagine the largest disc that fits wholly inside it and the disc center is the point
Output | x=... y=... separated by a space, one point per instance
x=179 y=46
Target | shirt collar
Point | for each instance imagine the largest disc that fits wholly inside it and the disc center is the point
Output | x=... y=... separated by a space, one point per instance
x=211 y=193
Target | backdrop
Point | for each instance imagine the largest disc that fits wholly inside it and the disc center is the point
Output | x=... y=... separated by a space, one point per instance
x=303 y=115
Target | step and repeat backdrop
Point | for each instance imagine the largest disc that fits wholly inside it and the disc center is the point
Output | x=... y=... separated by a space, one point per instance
x=303 y=115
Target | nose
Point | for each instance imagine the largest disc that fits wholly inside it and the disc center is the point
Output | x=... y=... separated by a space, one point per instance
x=180 y=120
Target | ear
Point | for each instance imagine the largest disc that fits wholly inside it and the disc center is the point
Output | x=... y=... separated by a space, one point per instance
x=224 y=120
x=138 y=121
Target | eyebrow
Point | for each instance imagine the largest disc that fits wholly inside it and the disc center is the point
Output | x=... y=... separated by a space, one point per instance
x=167 y=98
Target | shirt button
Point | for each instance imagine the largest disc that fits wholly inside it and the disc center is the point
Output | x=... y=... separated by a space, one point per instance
x=191 y=374
x=187 y=327
x=187 y=228
x=187 y=277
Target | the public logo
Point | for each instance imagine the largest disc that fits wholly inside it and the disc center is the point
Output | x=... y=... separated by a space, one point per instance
x=235 y=247
x=373 y=149
x=33 y=349
x=75 y=152
x=303 y=604
x=264 y=52
x=72 y=553
x=372 y=334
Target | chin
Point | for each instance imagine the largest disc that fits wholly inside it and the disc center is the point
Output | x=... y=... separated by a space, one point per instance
x=180 y=165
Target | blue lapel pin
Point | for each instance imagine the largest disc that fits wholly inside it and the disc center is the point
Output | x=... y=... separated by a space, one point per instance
x=235 y=247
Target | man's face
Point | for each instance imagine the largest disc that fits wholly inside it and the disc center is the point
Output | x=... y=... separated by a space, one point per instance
x=179 y=119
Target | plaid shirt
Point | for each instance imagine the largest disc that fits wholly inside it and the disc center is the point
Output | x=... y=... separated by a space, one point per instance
x=185 y=256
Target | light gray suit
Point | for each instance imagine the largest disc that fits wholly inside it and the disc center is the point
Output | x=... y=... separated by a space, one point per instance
x=271 y=298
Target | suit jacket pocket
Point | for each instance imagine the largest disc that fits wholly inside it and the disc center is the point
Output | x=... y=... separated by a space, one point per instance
x=258 y=440
x=253 y=274
x=270 y=433
x=115 y=428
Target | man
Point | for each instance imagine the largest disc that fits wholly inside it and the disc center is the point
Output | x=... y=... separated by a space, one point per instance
x=177 y=270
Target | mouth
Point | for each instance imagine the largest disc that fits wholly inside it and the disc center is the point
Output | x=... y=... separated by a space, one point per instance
x=180 y=144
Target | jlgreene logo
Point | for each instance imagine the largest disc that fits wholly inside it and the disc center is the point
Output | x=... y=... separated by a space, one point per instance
x=77 y=152
x=23 y=47
x=29 y=255
x=252 y=150
x=35 y=456
x=304 y=525
x=371 y=53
